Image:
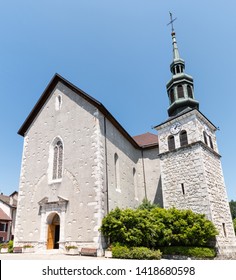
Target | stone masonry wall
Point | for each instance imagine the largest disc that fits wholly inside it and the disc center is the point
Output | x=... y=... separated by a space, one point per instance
x=183 y=181
x=192 y=176
x=220 y=212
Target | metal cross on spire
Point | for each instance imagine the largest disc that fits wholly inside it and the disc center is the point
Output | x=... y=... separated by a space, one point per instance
x=171 y=22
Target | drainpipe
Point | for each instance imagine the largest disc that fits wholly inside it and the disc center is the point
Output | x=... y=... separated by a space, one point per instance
x=105 y=136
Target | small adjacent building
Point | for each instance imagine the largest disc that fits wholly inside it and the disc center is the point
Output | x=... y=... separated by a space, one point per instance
x=8 y=206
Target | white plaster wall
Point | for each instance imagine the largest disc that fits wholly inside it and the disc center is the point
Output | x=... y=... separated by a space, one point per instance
x=90 y=142
x=151 y=166
x=77 y=125
x=124 y=195
x=146 y=164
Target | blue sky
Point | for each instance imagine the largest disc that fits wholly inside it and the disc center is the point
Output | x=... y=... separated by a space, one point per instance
x=119 y=52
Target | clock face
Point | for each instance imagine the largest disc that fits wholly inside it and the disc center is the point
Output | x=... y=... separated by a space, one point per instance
x=175 y=128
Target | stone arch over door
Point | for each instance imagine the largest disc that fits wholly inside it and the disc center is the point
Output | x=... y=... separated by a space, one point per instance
x=52 y=219
x=53 y=235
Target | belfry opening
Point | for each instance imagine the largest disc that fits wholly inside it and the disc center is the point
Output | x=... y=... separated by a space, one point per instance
x=53 y=237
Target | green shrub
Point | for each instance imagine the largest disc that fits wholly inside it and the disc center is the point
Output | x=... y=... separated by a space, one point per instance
x=120 y=252
x=157 y=227
x=129 y=227
x=196 y=252
x=146 y=204
x=139 y=253
x=10 y=246
x=182 y=228
x=143 y=253
x=4 y=245
x=69 y=247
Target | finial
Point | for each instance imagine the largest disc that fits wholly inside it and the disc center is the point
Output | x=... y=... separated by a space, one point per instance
x=171 y=22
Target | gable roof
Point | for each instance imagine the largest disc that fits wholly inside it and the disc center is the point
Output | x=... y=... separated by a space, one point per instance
x=54 y=81
x=146 y=140
x=4 y=216
x=7 y=200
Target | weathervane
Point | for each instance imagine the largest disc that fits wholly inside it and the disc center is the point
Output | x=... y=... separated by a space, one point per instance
x=171 y=22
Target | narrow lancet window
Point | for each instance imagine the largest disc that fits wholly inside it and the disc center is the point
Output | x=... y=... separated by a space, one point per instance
x=135 y=184
x=183 y=137
x=205 y=137
x=58 y=103
x=117 y=172
x=224 y=229
x=211 y=143
x=57 y=160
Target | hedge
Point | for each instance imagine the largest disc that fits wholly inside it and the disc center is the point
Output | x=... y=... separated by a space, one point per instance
x=139 y=253
x=158 y=227
x=196 y=252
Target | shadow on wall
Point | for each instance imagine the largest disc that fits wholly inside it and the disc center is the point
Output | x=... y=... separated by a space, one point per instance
x=159 y=196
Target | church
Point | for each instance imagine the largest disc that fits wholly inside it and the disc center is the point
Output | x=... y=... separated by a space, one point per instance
x=79 y=163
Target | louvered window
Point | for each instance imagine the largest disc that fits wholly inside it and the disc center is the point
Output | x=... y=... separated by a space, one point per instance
x=171 y=143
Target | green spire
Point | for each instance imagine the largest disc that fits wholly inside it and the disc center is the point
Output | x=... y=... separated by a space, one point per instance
x=180 y=87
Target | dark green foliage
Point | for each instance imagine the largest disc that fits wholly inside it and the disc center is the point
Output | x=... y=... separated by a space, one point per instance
x=182 y=228
x=146 y=204
x=10 y=246
x=157 y=227
x=234 y=223
x=139 y=253
x=232 y=206
x=196 y=252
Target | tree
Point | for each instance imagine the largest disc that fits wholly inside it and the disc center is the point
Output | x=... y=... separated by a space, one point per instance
x=146 y=204
x=234 y=222
x=232 y=205
x=157 y=227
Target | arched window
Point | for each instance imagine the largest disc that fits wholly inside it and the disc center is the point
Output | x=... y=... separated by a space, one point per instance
x=180 y=91
x=117 y=172
x=183 y=138
x=211 y=143
x=57 y=160
x=190 y=92
x=172 y=96
x=135 y=184
x=58 y=103
x=173 y=71
x=205 y=137
x=171 y=142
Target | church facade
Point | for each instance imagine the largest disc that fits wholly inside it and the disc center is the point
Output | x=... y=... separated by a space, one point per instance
x=79 y=163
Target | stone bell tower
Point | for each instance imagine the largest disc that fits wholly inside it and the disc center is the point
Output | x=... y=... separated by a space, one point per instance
x=190 y=162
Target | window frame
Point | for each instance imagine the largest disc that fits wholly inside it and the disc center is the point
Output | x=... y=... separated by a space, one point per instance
x=171 y=142
x=183 y=138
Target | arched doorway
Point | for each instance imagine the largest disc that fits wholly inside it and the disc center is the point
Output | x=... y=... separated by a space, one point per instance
x=53 y=231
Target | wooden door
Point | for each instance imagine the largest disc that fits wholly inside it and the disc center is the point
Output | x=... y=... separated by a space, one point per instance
x=51 y=236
